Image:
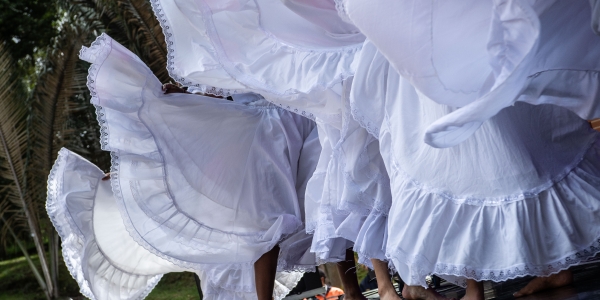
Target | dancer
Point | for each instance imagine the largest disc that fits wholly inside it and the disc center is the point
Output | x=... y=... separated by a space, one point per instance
x=178 y=159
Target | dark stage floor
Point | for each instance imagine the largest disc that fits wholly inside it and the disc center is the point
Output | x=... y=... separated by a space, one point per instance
x=586 y=286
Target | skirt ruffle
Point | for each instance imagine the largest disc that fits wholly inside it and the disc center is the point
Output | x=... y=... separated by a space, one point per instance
x=98 y=251
x=537 y=236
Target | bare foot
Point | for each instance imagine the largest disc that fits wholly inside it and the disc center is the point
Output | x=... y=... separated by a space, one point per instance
x=420 y=293
x=474 y=290
x=538 y=284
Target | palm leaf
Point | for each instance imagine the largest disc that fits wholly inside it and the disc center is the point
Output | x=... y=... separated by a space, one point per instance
x=13 y=145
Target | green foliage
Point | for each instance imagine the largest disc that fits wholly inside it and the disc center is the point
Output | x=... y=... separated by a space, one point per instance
x=44 y=104
x=17 y=282
x=27 y=25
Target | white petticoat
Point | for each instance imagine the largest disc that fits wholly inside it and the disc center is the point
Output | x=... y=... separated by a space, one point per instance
x=199 y=180
x=105 y=260
x=348 y=194
x=484 y=56
x=518 y=197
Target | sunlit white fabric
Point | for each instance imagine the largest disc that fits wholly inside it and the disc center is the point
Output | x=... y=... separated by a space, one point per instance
x=518 y=197
x=483 y=56
x=259 y=45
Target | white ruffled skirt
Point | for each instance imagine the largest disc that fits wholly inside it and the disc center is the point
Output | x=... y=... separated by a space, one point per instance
x=204 y=184
x=519 y=197
x=105 y=260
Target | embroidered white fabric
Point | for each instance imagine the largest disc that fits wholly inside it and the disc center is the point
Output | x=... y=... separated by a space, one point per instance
x=483 y=56
x=175 y=165
x=518 y=197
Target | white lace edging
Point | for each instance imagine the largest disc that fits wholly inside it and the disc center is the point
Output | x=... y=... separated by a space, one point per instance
x=206 y=89
x=500 y=275
x=64 y=226
x=96 y=54
x=168 y=33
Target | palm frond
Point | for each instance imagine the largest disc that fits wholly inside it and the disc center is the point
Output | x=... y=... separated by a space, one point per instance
x=13 y=145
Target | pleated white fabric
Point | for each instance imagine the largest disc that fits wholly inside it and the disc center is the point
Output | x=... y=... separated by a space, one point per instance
x=105 y=260
x=519 y=197
x=484 y=56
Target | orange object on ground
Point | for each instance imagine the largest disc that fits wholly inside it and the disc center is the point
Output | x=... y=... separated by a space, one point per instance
x=333 y=293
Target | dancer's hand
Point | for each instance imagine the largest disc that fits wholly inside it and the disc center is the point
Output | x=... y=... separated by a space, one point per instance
x=171 y=88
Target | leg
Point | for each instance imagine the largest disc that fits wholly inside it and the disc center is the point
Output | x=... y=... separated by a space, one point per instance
x=560 y=279
x=264 y=274
x=474 y=290
x=384 y=281
x=347 y=269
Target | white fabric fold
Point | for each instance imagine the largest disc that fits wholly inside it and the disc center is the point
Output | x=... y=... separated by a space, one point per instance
x=260 y=45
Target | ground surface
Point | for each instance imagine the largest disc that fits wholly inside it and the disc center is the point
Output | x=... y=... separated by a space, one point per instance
x=586 y=286
x=17 y=282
